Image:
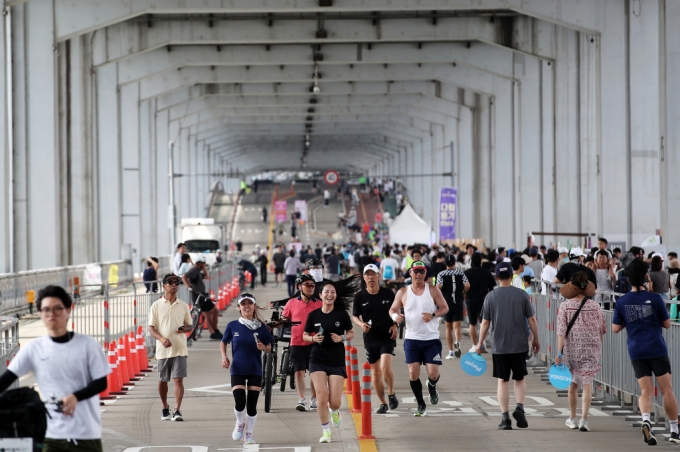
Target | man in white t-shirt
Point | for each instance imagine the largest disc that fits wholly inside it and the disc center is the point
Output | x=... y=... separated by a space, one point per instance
x=550 y=271
x=177 y=258
x=69 y=366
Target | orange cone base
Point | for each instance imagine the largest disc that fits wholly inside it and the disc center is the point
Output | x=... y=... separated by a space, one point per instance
x=366 y=437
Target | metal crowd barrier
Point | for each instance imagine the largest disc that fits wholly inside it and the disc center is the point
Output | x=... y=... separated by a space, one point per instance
x=9 y=343
x=617 y=376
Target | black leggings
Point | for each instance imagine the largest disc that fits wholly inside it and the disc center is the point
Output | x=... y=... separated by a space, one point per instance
x=250 y=402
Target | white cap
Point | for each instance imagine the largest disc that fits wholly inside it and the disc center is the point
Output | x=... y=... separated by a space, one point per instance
x=562 y=250
x=506 y=259
x=371 y=267
x=576 y=251
x=526 y=258
x=660 y=255
x=200 y=258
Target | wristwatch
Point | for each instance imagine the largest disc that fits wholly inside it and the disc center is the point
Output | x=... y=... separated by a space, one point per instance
x=434 y=315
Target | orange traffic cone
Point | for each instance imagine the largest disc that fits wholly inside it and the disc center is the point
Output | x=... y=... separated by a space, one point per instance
x=113 y=382
x=122 y=363
x=142 y=356
x=132 y=342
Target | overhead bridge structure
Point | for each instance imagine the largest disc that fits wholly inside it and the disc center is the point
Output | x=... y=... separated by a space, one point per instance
x=546 y=114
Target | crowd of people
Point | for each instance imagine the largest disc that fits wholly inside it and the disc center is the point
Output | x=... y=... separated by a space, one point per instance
x=415 y=285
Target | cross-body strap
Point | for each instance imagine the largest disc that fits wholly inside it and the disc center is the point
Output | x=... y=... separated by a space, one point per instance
x=573 y=319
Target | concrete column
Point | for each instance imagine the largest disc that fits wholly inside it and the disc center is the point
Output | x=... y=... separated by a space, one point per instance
x=131 y=175
x=670 y=153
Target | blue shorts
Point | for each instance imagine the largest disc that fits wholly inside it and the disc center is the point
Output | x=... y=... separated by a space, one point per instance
x=423 y=352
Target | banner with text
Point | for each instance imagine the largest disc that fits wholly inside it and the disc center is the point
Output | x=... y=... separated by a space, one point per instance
x=448 y=198
x=301 y=209
x=281 y=211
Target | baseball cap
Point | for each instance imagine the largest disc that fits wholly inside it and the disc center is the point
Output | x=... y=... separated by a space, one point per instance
x=418 y=264
x=503 y=269
x=200 y=258
x=526 y=258
x=450 y=259
x=371 y=267
x=577 y=251
x=169 y=276
x=246 y=296
x=562 y=250
x=533 y=251
x=660 y=255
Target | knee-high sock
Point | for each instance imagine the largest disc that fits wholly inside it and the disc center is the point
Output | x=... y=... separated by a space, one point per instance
x=417 y=388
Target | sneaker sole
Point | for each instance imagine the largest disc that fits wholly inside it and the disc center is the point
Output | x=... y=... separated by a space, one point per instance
x=521 y=419
x=674 y=440
x=648 y=435
x=300 y=408
x=572 y=427
x=457 y=353
x=166 y=418
x=420 y=414
x=179 y=419
x=505 y=427
x=449 y=357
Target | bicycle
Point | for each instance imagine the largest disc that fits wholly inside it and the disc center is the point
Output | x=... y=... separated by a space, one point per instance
x=271 y=377
x=197 y=319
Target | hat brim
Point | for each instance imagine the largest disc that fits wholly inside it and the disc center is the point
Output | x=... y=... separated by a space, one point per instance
x=417 y=268
x=570 y=291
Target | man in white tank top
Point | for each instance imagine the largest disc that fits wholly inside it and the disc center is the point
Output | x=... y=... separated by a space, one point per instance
x=423 y=305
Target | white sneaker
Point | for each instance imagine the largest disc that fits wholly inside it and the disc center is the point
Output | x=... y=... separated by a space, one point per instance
x=312 y=403
x=237 y=434
x=301 y=406
x=583 y=425
x=571 y=423
x=249 y=439
x=450 y=355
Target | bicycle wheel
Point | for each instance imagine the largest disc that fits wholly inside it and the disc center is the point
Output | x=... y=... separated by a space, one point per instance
x=285 y=359
x=199 y=327
x=195 y=316
x=268 y=382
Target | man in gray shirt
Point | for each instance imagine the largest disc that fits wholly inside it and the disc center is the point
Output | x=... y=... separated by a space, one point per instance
x=506 y=311
x=536 y=263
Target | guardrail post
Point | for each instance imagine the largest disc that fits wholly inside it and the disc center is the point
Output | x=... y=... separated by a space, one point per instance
x=348 y=367
x=107 y=334
x=366 y=411
x=356 y=384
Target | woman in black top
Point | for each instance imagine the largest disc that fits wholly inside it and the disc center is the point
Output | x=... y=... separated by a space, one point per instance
x=328 y=328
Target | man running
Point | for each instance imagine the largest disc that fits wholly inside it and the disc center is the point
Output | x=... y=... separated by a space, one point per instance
x=371 y=312
x=643 y=314
x=506 y=310
x=481 y=283
x=423 y=304
x=453 y=284
x=297 y=310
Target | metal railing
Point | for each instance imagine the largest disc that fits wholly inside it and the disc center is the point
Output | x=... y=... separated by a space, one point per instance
x=617 y=376
x=9 y=343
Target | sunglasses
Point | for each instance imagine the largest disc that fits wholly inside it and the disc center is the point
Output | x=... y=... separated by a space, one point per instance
x=419 y=272
x=56 y=311
x=173 y=282
x=311 y=286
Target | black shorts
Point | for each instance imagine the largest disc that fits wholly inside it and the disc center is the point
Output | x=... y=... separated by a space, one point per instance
x=512 y=362
x=299 y=356
x=205 y=305
x=375 y=351
x=240 y=380
x=328 y=370
x=646 y=367
x=474 y=308
x=278 y=270
x=455 y=313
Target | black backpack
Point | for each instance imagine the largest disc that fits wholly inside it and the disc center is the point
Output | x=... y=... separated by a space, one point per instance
x=23 y=415
x=622 y=285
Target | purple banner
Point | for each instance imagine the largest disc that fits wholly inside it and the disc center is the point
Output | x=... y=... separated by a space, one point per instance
x=280 y=211
x=448 y=198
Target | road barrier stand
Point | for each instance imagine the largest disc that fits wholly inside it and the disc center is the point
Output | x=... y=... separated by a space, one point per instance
x=348 y=367
x=142 y=355
x=356 y=384
x=366 y=411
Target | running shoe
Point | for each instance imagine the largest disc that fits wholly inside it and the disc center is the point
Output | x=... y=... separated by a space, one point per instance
x=166 y=414
x=326 y=437
x=674 y=438
x=312 y=403
x=393 y=401
x=301 y=405
x=336 y=418
x=648 y=433
x=450 y=355
x=521 y=419
x=505 y=425
x=434 y=395
x=177 y=416
x=583 y=425
x=457 y=351
x=382 y=409
x=237 y=434
x=421 y=410
x=215 y=336
x=249 y=439
x=571 y=423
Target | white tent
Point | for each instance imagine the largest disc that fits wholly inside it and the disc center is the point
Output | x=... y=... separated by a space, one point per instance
x=408 y=228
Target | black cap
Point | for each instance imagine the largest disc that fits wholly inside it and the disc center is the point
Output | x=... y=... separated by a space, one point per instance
x=169 y=276
x=503 y=269
x=450 y=260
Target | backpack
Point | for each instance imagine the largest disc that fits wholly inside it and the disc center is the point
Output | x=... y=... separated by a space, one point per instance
x=622 y=285
x=23 y=415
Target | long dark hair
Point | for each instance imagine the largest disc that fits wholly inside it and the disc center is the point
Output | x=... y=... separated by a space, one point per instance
x=345 y=290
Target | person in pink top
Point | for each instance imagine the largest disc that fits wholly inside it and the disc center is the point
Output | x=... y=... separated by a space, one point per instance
x=297 y=310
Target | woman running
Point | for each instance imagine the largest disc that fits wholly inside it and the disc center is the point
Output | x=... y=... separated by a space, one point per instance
x=328 y=328
x=248 y=337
